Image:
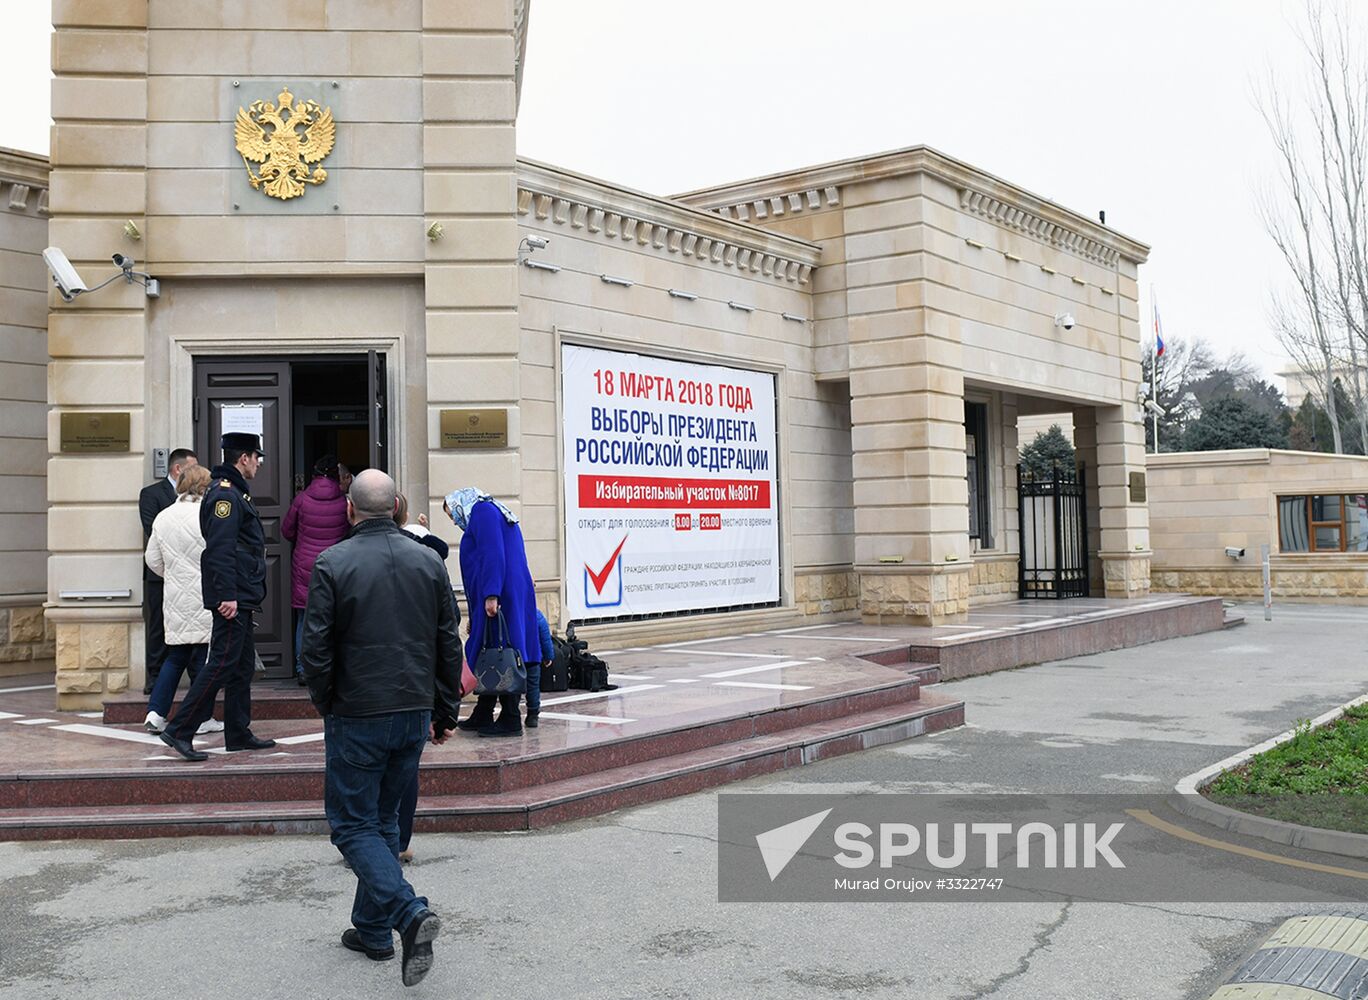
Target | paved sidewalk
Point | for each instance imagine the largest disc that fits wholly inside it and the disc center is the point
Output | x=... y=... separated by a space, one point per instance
x=624 y=905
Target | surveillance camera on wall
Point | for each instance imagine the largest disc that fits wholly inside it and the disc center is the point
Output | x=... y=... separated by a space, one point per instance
x=1234 y=553
x=64 y=276
x=124 y=263
x=1155 y=408
x=536 y=242
x=1066 y=320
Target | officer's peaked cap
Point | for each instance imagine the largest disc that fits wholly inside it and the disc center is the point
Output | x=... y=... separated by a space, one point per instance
x=242 y=442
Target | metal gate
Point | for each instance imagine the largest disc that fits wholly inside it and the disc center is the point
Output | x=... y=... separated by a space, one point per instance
x=1053 y=513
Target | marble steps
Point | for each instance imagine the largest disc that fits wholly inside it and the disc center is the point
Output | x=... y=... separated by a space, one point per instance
x=271 y=700
x=535 y=805
x=498 y=766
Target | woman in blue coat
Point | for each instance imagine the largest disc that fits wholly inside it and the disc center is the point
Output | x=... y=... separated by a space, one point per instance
x=496 y=579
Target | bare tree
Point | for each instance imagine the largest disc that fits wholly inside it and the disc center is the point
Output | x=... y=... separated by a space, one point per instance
x=1317 y=217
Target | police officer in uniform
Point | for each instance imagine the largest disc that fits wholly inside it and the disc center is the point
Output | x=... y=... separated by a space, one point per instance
x=233 y=570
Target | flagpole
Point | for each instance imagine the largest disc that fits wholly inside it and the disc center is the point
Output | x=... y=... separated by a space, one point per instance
x=1154 y=367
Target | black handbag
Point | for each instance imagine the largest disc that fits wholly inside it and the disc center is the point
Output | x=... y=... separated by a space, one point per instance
x=499 y=669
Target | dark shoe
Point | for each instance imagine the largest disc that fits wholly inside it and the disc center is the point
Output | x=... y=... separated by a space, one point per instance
x=417 y=941
x=533 y=719
x=502 y=728
x=251 y=743
x=183 y=747
x=299 y=679
x=477 y=721
x=351 y=940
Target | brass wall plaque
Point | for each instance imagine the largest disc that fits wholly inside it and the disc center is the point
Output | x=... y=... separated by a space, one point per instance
x=94 y=432
x=474 y=428
x=1137 y=487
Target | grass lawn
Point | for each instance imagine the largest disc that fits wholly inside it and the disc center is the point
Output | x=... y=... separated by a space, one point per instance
x=1317 y=778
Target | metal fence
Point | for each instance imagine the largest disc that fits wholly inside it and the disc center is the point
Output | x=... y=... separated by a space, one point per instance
x=1053 y=512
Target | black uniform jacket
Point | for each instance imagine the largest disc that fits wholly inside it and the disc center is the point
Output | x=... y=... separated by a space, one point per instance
x=233 y=567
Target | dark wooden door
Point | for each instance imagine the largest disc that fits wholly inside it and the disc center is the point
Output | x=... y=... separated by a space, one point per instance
x=379 y=414
x=245 y=393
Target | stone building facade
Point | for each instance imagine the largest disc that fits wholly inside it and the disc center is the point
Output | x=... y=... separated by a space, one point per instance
x=889 y=297
x=1213 y=510
x=24 y=637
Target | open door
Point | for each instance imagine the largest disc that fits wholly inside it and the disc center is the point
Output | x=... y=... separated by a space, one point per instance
x=255 y=396
x=379 y=413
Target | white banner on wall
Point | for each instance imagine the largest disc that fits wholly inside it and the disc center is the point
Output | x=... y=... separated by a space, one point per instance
x=671 y=499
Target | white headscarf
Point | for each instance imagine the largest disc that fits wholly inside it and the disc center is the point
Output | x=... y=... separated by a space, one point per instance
x=461 y=502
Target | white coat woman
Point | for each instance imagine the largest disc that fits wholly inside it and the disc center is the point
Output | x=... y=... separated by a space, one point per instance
x=173 y=553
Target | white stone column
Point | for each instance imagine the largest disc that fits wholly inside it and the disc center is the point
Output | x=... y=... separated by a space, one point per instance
x=907 y=440
x=471 y=281
x=96 y=344
x=1123 y=545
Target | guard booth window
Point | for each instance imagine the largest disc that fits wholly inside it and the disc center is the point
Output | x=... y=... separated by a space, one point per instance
x=1330 y=522
x=976 y=463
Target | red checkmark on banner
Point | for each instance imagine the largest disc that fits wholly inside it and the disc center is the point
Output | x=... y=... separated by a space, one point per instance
x=601 y=577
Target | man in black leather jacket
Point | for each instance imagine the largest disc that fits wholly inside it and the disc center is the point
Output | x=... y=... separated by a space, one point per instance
x=382 y=661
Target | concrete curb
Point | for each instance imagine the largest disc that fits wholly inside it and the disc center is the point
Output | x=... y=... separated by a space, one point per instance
x=1188 y=799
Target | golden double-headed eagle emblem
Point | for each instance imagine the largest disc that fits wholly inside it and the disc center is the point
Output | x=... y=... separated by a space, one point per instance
x=285 y=138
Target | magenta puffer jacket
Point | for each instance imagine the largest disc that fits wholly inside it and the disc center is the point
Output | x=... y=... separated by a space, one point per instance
x=316 y=520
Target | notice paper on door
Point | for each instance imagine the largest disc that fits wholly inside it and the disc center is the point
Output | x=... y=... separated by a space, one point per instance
x=242 y=418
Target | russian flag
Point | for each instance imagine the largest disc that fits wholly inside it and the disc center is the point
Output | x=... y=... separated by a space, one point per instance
x=1158 y=333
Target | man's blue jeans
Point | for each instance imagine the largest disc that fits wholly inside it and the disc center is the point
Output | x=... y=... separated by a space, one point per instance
x=371 y=761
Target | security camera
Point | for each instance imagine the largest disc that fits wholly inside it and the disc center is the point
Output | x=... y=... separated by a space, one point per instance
x=1066 y=320
x=64 y=276
x=124 y=263
x=1234 y=553
x=1155 y=408
x=535 y=242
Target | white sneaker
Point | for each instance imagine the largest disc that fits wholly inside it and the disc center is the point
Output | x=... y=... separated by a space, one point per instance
x=154 y=723
x=209 y=726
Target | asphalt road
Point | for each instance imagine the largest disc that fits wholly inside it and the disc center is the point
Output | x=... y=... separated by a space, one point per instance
x=625 y=905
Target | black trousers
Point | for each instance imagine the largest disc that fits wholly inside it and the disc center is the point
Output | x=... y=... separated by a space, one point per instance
x=154 y=629
x=229 y=666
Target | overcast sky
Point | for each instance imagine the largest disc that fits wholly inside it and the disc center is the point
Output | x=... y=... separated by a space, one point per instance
x=1141 y=109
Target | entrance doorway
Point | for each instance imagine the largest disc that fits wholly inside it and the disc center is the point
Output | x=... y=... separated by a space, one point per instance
x=303 y=408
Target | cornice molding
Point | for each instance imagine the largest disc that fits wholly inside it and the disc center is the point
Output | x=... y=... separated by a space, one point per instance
x=1013 y=217
x=790 y=203
x=983 y=193
x=23 y=199
x=18 y=167
x=562 y=198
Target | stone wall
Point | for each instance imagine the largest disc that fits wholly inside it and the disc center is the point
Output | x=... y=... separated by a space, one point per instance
x=914 y=598
x=1203 y=502
x=825 y=592
x=1320 y=582
x=96 y=657
x=24 y=636
x=993 y=579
